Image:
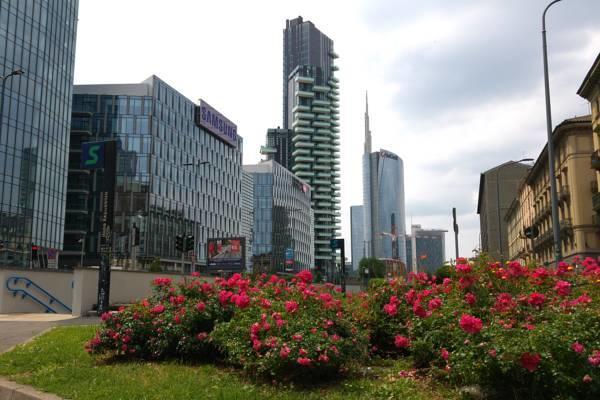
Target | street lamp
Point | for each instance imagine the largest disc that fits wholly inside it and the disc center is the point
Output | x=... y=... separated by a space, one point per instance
x=553 y=194
x=498 y=201
x=16 y=72
x=82 y=241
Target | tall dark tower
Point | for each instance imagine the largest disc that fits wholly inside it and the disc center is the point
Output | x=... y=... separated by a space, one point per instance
x=304 y=44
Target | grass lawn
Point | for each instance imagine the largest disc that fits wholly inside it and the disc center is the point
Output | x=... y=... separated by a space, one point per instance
x=57 y=363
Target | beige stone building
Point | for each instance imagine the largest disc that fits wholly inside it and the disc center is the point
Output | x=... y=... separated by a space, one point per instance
x=590 y=90
x=576 y=184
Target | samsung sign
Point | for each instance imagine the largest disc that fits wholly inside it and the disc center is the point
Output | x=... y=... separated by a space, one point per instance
x=213 y=121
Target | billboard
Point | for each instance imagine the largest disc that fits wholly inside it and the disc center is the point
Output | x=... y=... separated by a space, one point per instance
x=226 y=254
x=213 y=121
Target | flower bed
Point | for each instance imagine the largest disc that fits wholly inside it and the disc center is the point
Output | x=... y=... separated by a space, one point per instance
x=518 y=331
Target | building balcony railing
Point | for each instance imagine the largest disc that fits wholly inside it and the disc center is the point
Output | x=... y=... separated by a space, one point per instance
x=566 y=224
x=563 y=193
x=595 y=160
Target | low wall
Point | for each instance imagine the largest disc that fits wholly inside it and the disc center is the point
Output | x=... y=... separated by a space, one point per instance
x=58 y=283
x=125 y=287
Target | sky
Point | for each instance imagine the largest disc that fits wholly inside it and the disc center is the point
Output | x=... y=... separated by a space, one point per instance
x=455 y=87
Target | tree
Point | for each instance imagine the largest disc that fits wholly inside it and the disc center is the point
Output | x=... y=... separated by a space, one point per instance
x=375 y=266
x=155 y=265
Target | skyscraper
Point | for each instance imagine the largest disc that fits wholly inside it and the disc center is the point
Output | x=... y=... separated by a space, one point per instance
x=383 y=201
x=357 y=235
x=39 y=39
x=279 y=147
x=311 y=110
x=426 y=249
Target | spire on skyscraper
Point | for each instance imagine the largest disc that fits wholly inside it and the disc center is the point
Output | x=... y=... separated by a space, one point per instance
x=367 y=130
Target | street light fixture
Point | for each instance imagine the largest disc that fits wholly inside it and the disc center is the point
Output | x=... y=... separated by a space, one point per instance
x=498 y=201
x=552 y=177
x=16 y=72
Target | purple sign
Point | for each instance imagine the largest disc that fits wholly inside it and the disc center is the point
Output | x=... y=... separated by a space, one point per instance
x=212 y=120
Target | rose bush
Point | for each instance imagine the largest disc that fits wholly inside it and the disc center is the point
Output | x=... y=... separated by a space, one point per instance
x=525 y=332
x=292 y=330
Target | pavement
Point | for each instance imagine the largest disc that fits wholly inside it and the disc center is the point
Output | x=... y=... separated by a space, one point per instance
x=20 y=328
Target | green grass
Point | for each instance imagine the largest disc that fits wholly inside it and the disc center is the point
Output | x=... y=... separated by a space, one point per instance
x=57 y=363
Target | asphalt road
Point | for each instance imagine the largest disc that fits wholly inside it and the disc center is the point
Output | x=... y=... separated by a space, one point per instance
x=21 y=328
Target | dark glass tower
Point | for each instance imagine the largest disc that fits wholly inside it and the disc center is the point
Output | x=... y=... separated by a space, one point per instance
x=39 y=38
x=279 y=147
x=304 y=44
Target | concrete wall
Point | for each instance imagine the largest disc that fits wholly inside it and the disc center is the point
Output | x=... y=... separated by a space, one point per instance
x=126 y=287
x=77 y=289
x=57 y=283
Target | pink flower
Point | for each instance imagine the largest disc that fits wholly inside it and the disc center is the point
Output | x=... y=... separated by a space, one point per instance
x=291 y=306
x=162 y=282
x=202 y=336
x=445 y=354
x=284 y=352
x=390 y=309
x=419 y=310
x=195 y=274
x=224 y=296
x=470 y=324
x=297 y=337
x=323 y=358
x=265 y=303
x=470 y=298
x=105 y=316
x=587 y=378
x=530 y=361
x=242 y=301
x=256 y=345
x=463 y=268
x=563 y=288
x=435 y=303
x=577 y=347
x=492 y=353
x=157 y=309
x=401 y=342
x=536 y=299
x=504 y=302
x=200 y=307
x=594 y=359
x=305 y=276
x=304 y=361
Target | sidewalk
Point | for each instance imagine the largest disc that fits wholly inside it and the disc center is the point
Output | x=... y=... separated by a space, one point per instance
x=19 y=328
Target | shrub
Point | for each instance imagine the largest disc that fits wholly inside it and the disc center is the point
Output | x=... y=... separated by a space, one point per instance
x=292 y=331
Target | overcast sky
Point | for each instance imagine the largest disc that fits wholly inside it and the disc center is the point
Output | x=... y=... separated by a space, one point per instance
x=455 y=87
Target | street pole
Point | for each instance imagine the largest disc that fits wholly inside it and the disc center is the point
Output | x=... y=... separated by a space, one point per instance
x=455 y=227
x=343 y=267
x=82 y=250
x=553 y=193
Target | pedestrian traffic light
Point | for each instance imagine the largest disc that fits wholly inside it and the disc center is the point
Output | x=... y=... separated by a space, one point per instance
x=179 y=243
x=189 y=242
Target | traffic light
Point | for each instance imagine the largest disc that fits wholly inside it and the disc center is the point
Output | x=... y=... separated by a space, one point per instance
x=136 y=235
x=34 y=251
x=179 y=243
x=189 y=242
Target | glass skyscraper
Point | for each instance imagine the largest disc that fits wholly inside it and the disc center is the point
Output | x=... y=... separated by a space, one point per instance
x=357 y=235
x=37 y=37
x=311 y=111
x=383 y=201
x=426 y=249
x=283 y=220
x=174 y=176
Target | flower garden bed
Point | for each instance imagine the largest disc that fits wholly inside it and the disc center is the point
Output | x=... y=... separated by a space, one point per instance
x=513 y=331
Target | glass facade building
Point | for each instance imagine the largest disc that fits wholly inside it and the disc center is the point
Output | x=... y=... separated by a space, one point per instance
x=283 y=219
x=279 y=147
x=357 y=235
x=37 y=37
x=383 y=189
x=173 y=176
x=247 y=224
x=426 y=249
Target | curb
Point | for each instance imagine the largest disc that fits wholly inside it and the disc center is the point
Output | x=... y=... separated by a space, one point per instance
x=27 y=341
x=15 y=391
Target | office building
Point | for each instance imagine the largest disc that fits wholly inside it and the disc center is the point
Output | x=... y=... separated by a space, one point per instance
x=311 y=111
x=383 y=201
x=426 y=249
x=179 y=172
x=279 y=147
x=497 y=189
x=304 y=44
x=283 y=239
x=576 y=185
x=357 y=235
x=247 y=225
x=37 y=54
x=590 y=90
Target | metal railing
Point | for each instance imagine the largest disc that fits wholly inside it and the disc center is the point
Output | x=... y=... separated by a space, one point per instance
x=24 y=293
